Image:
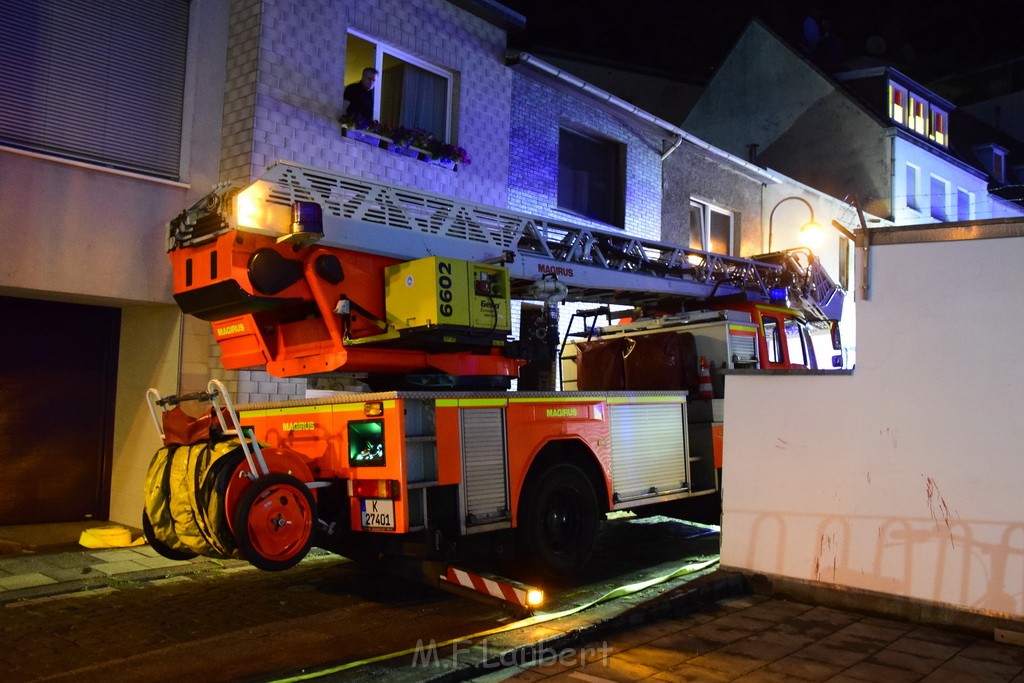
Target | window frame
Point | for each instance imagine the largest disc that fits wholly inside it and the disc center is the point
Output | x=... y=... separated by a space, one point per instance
x=380 y=49
x=618 y=181
x=706 y=209
x=898 y=110
x=933 y=180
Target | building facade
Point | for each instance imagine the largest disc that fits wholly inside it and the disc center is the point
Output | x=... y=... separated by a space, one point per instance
x=871 y=134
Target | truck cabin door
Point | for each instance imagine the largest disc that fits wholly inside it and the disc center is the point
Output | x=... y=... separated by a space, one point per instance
x=786 y=342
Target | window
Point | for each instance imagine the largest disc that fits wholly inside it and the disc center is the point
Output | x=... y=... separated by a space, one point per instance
x=897 y=98
x=99 y=82
x=916 y=115
x=771 y=338
x=938 y=129
x=795 y=344
x=913 y=180
x=964 y=201
x=409 y=91
x=710 y=228
x=939 y=188
x=591 y=177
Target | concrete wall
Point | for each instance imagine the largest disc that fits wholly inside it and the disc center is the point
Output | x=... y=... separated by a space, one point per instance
x=904 y=477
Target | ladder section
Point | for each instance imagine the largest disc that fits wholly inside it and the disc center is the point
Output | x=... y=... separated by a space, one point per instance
x=595 y=265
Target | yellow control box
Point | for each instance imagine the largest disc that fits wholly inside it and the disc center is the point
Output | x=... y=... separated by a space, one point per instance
x=439 y=292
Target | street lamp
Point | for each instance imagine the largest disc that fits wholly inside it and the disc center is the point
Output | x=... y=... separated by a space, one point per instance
x=811 y=232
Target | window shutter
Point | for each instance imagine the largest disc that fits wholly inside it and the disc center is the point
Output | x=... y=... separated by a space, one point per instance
x=100 y=81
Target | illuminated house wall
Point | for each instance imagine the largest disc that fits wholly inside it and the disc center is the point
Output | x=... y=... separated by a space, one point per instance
x=287 y=65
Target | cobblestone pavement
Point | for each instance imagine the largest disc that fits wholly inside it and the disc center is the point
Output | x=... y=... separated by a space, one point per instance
x=130 y=615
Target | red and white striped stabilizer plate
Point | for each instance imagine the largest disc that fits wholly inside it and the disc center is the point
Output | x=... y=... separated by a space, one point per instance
x=502 y=589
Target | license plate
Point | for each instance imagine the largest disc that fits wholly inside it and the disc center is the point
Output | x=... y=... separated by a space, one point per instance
x=378 y=514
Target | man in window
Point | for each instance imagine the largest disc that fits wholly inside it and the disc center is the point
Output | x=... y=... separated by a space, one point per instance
x=358 y=97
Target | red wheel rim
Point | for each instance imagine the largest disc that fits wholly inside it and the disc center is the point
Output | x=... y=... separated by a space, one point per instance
x=279 y=522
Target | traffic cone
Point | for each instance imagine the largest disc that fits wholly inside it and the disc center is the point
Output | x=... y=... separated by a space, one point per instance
x=704 y=389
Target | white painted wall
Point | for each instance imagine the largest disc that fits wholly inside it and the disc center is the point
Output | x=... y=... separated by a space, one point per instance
x=905 y=477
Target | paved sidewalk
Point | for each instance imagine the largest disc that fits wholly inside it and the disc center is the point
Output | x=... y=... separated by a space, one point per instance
x=40 y=575
x=760 y=639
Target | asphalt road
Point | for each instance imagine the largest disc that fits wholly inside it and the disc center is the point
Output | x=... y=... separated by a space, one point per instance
x=245 y=624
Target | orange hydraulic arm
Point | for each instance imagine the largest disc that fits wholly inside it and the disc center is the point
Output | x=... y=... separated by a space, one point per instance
x=284 y=302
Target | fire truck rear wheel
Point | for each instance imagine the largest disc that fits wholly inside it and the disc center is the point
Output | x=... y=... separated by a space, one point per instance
x=159 y=546
x=274 y=522
x=558 y=522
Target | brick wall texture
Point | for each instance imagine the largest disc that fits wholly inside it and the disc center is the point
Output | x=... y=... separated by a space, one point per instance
x=539 y=111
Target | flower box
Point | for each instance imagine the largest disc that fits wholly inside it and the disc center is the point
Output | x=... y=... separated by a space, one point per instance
x=365 y=136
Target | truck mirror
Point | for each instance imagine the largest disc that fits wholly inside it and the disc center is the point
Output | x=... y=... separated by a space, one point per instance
x=833 y=328
x=837 y=360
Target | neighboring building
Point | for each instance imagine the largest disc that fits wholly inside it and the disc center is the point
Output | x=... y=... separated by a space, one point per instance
x=872 y=134
x=580 y=154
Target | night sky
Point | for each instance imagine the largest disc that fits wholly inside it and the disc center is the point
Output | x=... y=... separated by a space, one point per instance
x=687 y=39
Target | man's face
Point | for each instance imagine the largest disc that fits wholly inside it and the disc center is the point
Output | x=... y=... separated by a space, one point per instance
x=368 y=80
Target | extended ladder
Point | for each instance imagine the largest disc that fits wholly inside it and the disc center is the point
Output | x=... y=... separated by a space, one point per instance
x=594 y=265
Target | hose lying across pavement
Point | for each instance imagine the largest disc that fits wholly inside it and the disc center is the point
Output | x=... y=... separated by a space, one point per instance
x=622 y=591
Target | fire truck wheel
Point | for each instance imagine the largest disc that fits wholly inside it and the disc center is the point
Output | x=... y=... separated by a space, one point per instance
x=159 y=546
x=274 y=522
x=559 y=521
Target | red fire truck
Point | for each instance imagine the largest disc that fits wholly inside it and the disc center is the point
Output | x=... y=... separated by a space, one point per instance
x=307 y=272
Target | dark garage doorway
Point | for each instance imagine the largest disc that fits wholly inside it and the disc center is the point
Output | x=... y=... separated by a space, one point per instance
x=58 y=376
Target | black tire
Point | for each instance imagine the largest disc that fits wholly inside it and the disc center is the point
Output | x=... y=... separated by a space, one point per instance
x=274 y=522
x=558 y=522
x=159 y=546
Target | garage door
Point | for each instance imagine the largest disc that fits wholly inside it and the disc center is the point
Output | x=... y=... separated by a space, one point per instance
x=58 y=372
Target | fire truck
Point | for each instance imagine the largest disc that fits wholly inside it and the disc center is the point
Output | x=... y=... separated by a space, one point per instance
x=309 y=272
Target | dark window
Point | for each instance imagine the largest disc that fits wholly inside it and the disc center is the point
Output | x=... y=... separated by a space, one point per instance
x=591 y=177
x=100 y=81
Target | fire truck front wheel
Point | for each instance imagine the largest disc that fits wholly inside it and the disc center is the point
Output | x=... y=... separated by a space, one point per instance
x=274 y=522
x=558 y=522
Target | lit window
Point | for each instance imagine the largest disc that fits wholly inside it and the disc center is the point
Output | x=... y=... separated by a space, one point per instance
x=710 y=228
x=409 y=92
x=939 y=126
x=591 y=177
x=917 y=118
x=896 y=106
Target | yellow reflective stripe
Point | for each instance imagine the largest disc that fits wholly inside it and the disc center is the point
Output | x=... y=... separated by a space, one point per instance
x=481 y=402
x=743 y=329
x=275 y=412
x=584 y=399
x=618 y=400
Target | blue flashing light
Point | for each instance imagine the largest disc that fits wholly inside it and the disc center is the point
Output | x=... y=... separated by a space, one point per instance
x=778 y=294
